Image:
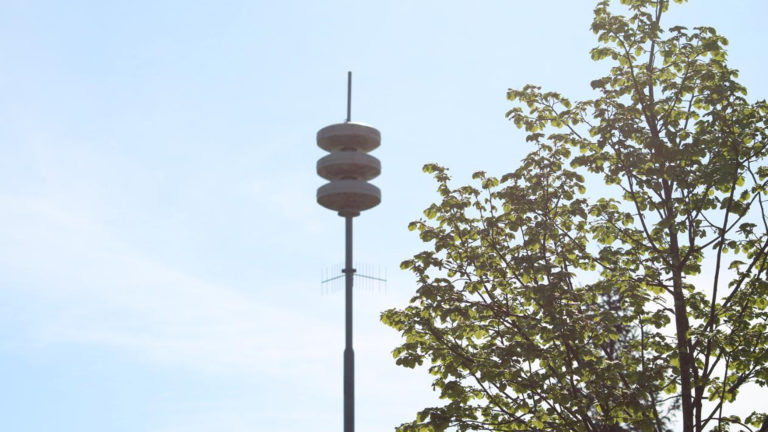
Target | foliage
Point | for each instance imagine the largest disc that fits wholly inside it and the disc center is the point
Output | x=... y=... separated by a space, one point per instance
x=542 y=308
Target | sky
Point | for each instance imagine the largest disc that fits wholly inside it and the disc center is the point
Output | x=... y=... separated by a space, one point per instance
x=161 y=250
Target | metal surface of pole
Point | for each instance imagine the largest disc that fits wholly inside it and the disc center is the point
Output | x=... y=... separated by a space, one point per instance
x=349 y=353
x=349 y=96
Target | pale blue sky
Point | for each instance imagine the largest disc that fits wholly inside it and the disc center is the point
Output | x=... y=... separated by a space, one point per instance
x=160 y=244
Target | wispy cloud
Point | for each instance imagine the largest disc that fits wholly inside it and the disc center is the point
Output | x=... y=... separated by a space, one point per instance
x=100 y=292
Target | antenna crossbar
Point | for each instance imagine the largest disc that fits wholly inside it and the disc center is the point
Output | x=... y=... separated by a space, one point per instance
x=370 y=277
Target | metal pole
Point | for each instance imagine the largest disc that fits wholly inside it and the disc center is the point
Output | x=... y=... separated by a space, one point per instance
x=349 y=96
x=349 y=353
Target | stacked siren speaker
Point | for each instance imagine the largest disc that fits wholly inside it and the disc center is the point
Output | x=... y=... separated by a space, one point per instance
x=348 y=167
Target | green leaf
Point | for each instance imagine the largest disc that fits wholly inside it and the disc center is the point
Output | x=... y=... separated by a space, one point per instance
x=566 y=293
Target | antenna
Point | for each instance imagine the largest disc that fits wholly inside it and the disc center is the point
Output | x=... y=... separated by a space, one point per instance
x=372 y=278
x=348 y=167
x=349 y=96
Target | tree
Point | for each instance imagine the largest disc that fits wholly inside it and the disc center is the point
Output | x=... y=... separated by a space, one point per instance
x=542 y=308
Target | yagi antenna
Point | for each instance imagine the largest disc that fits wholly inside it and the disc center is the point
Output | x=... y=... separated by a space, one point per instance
x=371 y=278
